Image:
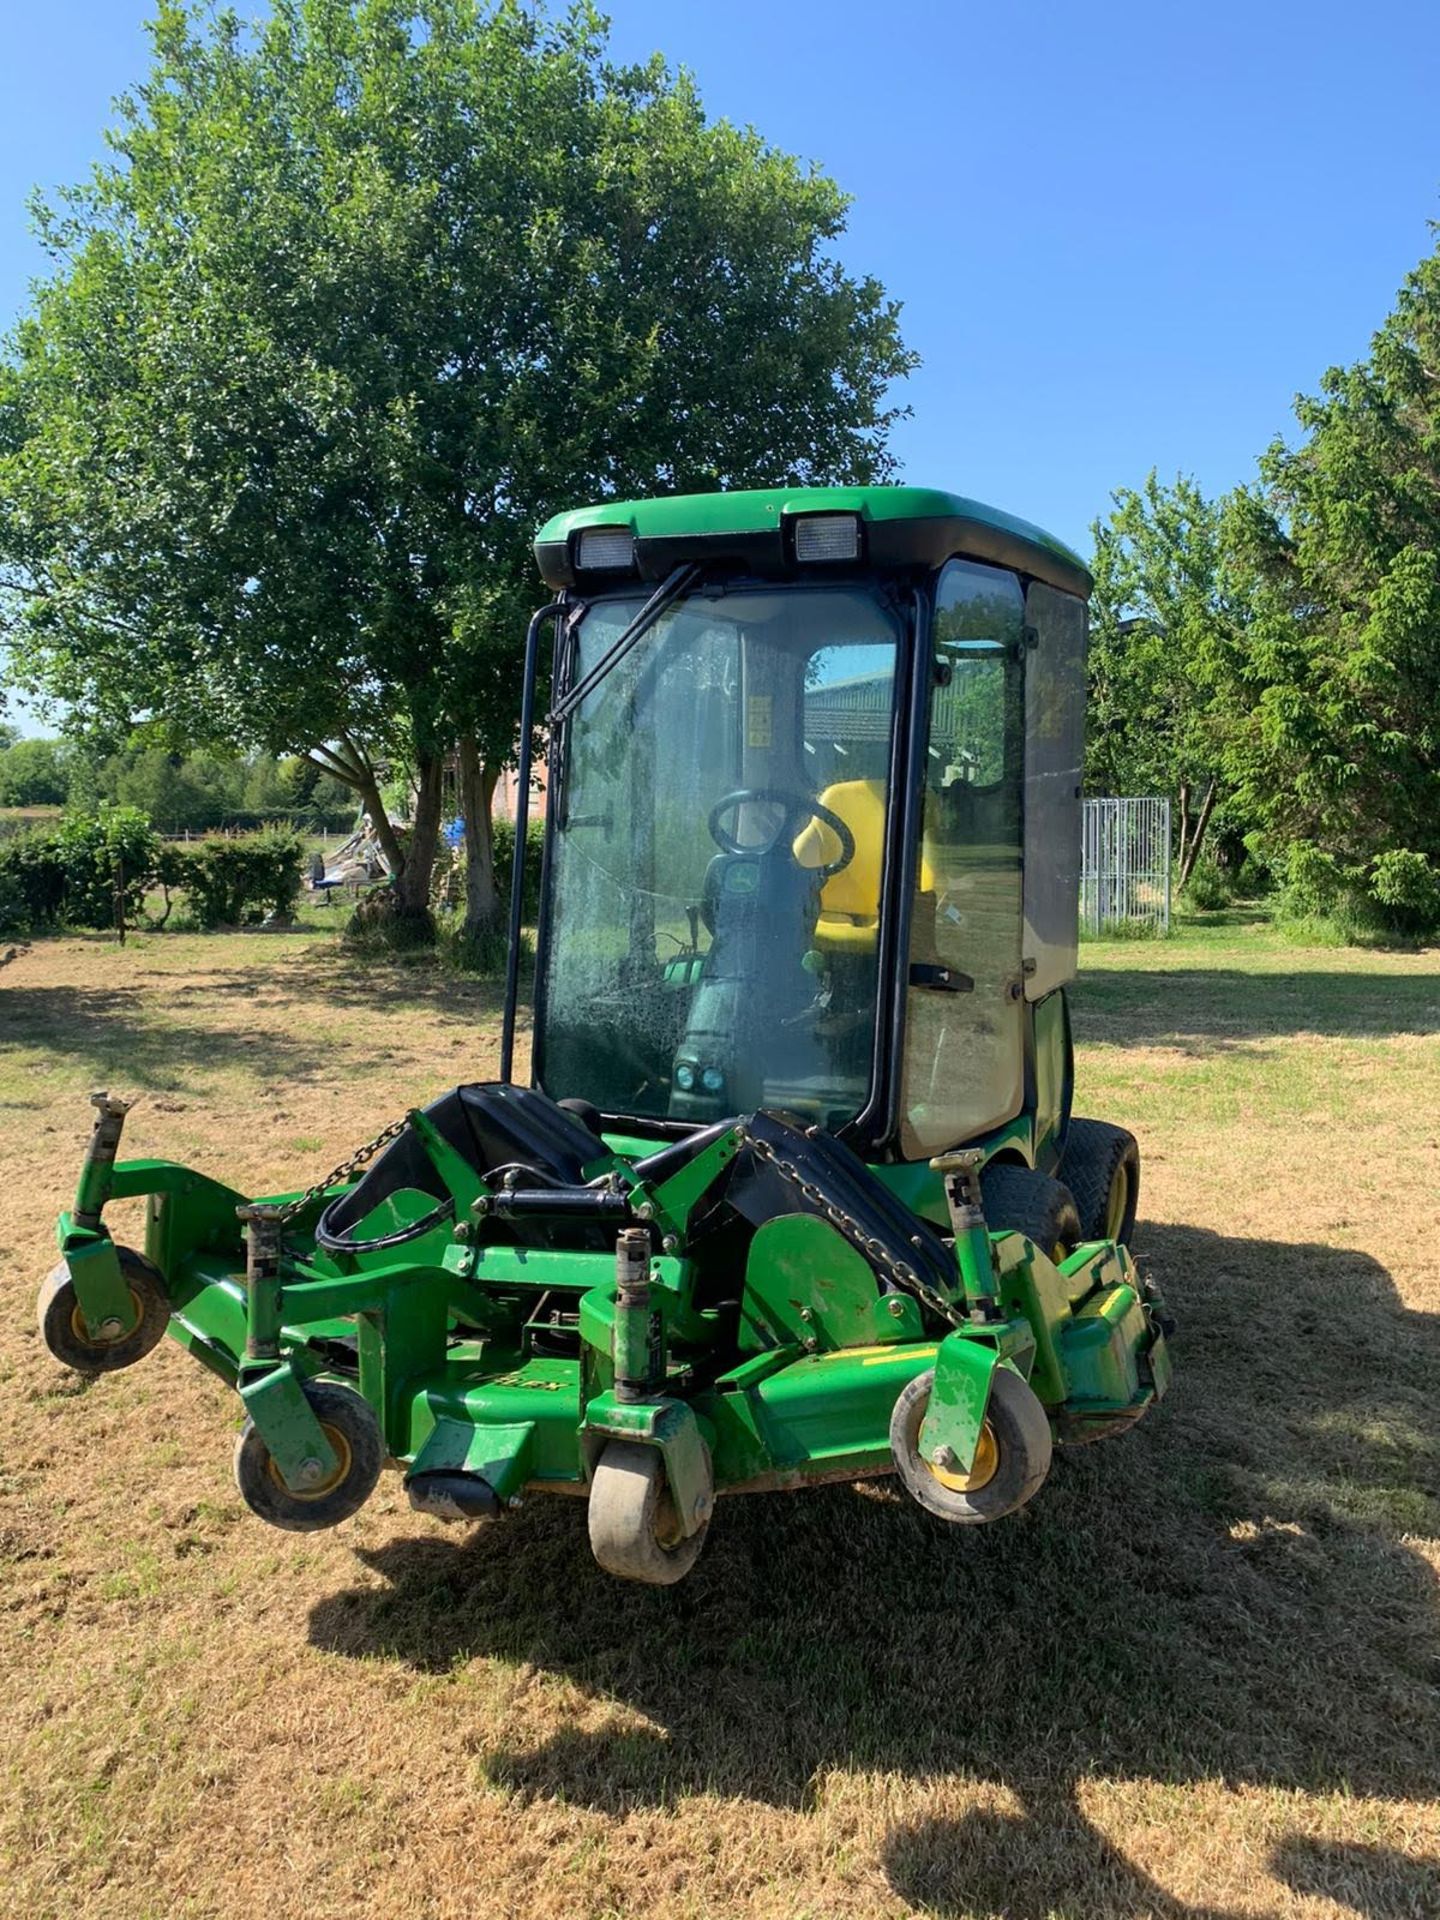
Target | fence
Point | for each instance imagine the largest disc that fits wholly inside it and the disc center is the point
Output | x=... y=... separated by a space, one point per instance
x=1125 y=864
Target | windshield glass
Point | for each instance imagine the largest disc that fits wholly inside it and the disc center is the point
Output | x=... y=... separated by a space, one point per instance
x=719 y=816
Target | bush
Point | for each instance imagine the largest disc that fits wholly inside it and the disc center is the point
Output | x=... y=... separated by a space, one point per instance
x=504 y=838
x=1395 y=897
x=13 y=915
x=485 y=955
x=66 y=875
x=1407 y=889
x=116 y=844
x=377 y=927
x=1206 y=890
x=1313 y=882
x=228 y=883
x=1253 y=879
x=32 y=882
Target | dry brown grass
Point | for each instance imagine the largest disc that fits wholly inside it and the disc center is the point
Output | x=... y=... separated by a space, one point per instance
x=1200 y=1677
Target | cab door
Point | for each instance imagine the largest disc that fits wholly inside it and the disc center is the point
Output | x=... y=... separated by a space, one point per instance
x=963 y=1070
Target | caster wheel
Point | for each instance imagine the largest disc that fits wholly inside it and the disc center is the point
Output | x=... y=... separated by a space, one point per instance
x=63 y=1329
x=354 y=1433
x=1102 y=1170
x=634 y=1529
x=1011 y=1461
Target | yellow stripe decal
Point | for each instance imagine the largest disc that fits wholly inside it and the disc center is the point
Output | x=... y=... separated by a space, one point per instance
x=879 y=1356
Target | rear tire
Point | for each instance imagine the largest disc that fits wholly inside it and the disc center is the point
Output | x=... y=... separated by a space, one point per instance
x=634 y=1528
x=1010 y=1464
x=63 y=1329
x=1102 y=1170
x=1019 y=1200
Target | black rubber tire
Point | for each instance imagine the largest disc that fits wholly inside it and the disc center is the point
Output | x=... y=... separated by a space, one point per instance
x=1097 y=1156
x=634 y=1533
x=1019 y=1200
x=62 y=1328
x=352 y=1430
x=1018 y=1430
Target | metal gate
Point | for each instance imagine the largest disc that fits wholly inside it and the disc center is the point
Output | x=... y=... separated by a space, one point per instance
x=1125 y=864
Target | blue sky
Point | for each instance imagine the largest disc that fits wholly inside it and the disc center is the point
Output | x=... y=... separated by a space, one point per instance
x=1125 y=235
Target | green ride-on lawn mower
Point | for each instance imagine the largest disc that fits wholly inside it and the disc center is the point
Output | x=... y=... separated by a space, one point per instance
x=794 y=1193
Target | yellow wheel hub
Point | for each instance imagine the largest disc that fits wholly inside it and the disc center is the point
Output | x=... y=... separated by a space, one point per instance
x=83 y=1334
x=986 y=1466
x=331 y=1481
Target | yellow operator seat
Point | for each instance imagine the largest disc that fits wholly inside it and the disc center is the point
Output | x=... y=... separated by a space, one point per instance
x=850 y=900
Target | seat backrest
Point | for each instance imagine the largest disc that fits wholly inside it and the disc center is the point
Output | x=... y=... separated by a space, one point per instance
x=855 y=891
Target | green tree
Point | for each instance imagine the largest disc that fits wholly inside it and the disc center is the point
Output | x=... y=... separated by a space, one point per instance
x=175 y=790
x=368 y=290
x=34 y=773
x=1167 y=644
x=1339 y=546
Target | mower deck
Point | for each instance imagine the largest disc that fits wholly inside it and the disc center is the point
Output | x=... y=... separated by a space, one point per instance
x=696 y=1303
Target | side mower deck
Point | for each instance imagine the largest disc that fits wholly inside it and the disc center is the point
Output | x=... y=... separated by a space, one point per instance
x=508 y=1303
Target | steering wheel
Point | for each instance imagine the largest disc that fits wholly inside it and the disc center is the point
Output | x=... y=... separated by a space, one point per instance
x=797 y=810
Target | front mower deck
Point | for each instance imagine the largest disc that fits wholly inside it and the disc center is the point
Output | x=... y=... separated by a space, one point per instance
x=745 y=1307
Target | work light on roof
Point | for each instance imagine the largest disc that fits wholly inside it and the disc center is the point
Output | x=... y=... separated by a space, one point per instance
x=605 y=549
x=827 y=536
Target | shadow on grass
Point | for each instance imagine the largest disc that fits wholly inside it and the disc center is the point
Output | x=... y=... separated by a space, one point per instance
x=109 y=1031
x=156 y=1032
x=1222 y=1595
x=1210 y=1010
x=343 y=978
x=1374 y=1880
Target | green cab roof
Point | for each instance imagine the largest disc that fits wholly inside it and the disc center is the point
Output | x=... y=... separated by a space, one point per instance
x=902 y=526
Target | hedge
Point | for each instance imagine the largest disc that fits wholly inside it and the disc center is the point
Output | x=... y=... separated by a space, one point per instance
x=68 y=875
x=229 y=881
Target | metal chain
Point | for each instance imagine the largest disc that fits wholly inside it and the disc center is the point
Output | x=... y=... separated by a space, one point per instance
x=346 y=1170
x=901 y=1272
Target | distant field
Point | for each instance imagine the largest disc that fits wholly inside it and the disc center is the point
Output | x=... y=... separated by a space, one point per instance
x=1199 y=1678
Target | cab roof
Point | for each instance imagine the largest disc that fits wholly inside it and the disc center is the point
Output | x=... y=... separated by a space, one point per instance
x=915 y=526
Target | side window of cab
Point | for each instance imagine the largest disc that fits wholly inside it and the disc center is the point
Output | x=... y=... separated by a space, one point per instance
x=964 y=1067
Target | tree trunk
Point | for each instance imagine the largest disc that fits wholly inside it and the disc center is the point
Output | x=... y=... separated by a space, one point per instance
x=1184 y=820
x=412 y=882
x=368 y=788
x=477 y=794
x=1202 y=820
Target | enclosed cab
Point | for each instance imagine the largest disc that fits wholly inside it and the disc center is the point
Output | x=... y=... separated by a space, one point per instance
x=814 y=824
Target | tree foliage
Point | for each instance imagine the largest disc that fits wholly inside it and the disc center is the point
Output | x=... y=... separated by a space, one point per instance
x=179 y=792
x=368 y=290
x=1280 y=648
x=1340 y=547
x=34 y=773
x=1166 y=648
